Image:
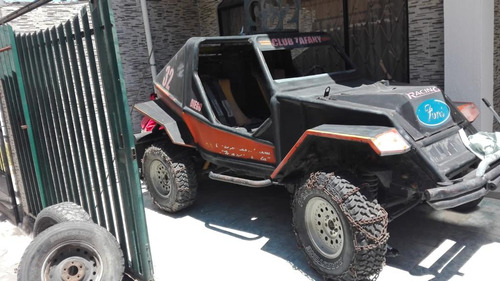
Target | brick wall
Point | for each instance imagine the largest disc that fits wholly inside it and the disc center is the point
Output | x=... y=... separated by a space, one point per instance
x=42 y=18
x=496 y=73
x=172 y=23
x=426 y=42
x=207 y=14
x=134 y=53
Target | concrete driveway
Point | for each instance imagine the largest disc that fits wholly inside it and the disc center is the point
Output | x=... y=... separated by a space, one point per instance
x=239 y=233
x=13 y=242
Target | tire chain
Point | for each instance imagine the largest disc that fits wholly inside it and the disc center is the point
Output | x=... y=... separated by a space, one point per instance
x=357 y=224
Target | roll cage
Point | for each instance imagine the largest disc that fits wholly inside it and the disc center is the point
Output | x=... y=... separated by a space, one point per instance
x=238 y=76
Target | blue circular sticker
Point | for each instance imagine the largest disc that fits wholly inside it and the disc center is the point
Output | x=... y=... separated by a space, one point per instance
x=433 y=112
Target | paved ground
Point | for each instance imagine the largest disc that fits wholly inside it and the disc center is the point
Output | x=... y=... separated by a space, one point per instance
x=238 y=233
x=12 y=244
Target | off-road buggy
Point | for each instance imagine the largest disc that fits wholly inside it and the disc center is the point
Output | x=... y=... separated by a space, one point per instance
x=291 y=110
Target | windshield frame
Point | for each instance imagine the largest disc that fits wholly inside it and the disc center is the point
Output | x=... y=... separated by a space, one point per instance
x=289 y=41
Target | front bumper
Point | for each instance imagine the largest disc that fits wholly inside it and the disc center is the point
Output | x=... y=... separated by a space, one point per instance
x=469 y=189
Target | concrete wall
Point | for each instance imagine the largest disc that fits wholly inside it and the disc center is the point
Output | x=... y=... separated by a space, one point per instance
x=426 y=42
x=469 y=54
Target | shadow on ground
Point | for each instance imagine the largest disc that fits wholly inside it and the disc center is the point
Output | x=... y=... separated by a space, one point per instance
x=266 y=213
x=420 y=232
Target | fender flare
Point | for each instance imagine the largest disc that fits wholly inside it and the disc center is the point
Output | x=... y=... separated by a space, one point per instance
x=353 y=133
x=174 y=126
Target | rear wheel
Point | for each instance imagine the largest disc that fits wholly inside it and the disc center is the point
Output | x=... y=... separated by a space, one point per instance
x=343 y=235
x=170 y=178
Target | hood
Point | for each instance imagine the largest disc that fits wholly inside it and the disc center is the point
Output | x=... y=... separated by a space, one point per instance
x=424 y=108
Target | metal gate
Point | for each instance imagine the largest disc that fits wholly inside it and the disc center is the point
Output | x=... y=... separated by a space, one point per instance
x=374 y=33
x=70 y=121
x=378 y=38
x=8 y=202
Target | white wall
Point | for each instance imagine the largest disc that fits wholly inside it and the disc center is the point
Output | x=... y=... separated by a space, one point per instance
x=469 y=35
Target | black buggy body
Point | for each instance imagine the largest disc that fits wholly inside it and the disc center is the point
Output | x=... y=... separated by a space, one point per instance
x=291 y=109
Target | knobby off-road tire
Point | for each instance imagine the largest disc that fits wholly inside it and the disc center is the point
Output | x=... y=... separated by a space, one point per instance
x=170 y=178
x=62 y=212
x=72 y=251
x=343 y=235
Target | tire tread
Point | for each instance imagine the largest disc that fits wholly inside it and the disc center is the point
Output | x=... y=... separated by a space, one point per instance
x=369 y=256
x=184 y=176
x=61 y=212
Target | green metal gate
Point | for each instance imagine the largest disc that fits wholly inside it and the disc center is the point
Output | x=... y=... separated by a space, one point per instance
x=70 y=121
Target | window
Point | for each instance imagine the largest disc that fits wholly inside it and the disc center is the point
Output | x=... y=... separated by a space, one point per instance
x=299 y=62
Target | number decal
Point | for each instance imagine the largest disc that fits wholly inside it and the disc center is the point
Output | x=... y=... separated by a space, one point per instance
x=169 y=75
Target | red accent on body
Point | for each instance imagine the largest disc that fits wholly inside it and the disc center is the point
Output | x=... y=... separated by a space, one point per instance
x=228 y=144
x=469 y=110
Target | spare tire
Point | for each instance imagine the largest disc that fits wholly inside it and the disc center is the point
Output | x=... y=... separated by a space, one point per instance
x=73 y=251
x=62 y=212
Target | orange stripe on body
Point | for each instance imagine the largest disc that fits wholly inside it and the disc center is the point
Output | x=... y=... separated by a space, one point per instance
x=338 y=136
x=169 y=99
x=228 y=144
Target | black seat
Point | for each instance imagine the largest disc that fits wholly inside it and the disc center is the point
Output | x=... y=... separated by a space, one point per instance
x=218 y=100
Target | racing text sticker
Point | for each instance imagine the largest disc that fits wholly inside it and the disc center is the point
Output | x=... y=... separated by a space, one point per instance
x=423 y=92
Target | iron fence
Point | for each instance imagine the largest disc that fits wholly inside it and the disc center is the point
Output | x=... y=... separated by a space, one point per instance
x=71 y=125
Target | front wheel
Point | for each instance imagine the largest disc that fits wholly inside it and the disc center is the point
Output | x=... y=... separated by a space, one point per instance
x=170 y=178
x=343 y=235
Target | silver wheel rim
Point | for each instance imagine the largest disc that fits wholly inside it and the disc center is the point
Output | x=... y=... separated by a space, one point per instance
x=324 y=227
x=159 y=177
x=72 y=261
